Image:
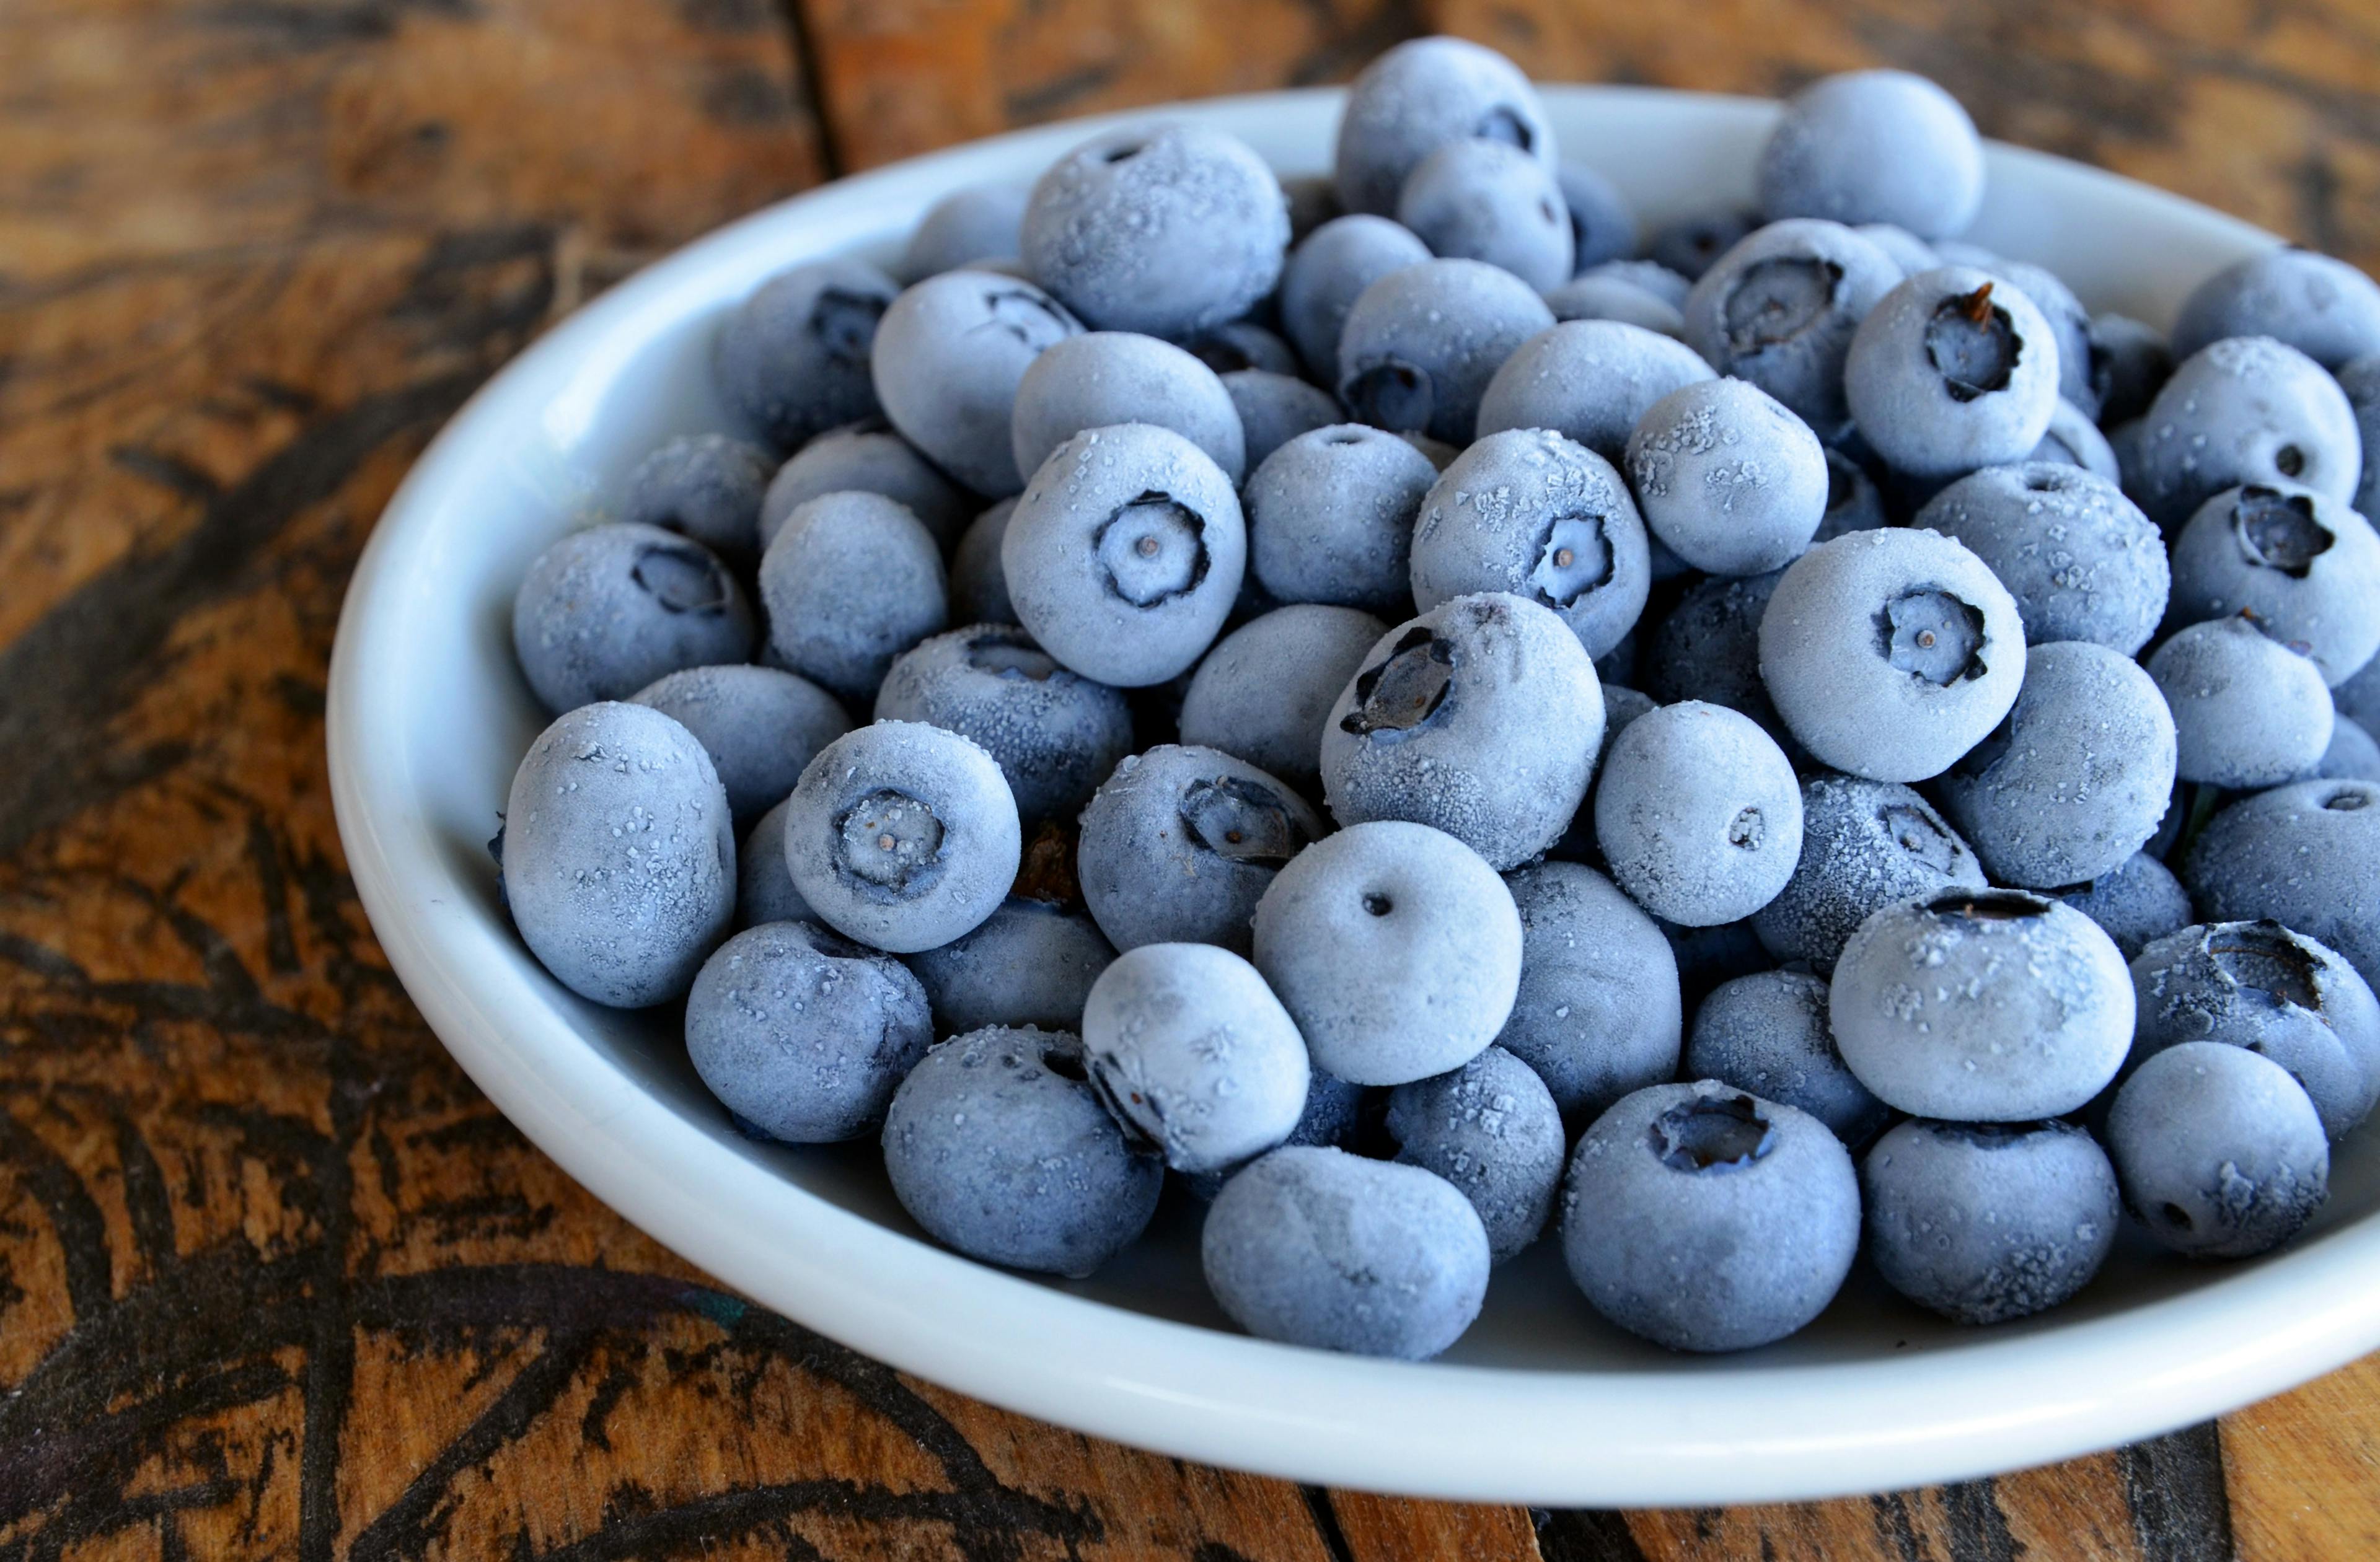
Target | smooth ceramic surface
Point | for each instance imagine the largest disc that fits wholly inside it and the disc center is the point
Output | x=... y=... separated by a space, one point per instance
x=1541 y=1402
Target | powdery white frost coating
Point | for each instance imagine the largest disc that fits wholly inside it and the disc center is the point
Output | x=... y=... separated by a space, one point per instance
x=606 y=610
x=1487 y=200
x=1709 y=648
x=1865 y=845
x=764 y=886
x=1779 y=309
x=1698 y=814
x=1602 y=225
x=1417 y=98
x=1421 y=343
x=1903 y=403
x=1490 y=1129
x=1993 y=1007
x=2248 y=711
x=1481 y=718
x=1828 y=662
x=2219 y=1152
x=1274 y=408
x=1328 y=271
x=2081 y=560
x=1733 y=482
x=707 y=486
x=618 y=854
x=2245 y=409
x=1903 y=248
x=1874 y=146
x=1193 y=1054
x=1614 y=297
x=851 y=581
x=1314 y=1246
x=1107 y=376
x=948 y=358
x=2306 y=855
x=1266 y=690
x=1767 y=1034
x=793 y=359
x=760 y=726
x=979 y=587
x=2351 y=755
x=2069 y=321
x=1331 y=518
x=1139 y=499
x=979 y=223
x=2073 y=440
x=1587 y=380
x=1599 y=1013
x=2307 y=566
x=1395 y=949
x=1030 y=963
x=871 y=461
x=2325 y=308
x=2361 y=382
x=2135 y=902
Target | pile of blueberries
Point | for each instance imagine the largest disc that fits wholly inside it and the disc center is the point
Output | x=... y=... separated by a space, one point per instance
x=1460 y=716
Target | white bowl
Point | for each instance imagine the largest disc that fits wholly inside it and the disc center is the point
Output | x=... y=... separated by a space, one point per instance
x=1541 y=1402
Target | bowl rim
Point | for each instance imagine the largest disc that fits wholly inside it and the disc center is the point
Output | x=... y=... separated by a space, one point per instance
x=1678 y=1434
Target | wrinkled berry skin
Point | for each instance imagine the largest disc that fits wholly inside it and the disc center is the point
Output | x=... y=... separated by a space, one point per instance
x=1698 y=814
x=1865 y=845
x=1779 y=311
x=1421 y=343
x=1590 y=380
x=606 y=610
x=2081 y=560
x=1927 y=411
x=1331 y=518
x=2325 y=308
x=870 y=460
x=1102 y=378
x=1415 y=98
x=2218 y=1151
x=792 y=361
x=1490 y=1129
x=2248 y=711
x=947 y=362
x=1030 y=963
x=1599 y=1013
x=760 y=726
x=2307 y=567
x=2306 y=855
x=851 y=581
x=707 y=486
x=2246 y=409
x=1874 y=146
x=1767 y=1034
x=1265 y=691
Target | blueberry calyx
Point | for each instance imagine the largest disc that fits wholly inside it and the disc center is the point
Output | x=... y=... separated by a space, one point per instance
x=1402 y=693
x=1028 y=317
x=1990 y=905
x=2268 y=958
x=1972 y=345
x=1919 y=836
x=2278 y=530
x=1153 y=549
x=1711 y=1133
x=1504 y=123
x=1240 y=820
x=1777 y=299
x=844 y=324
x=1010 y=653
x=1575 y=560
x=681 y=579
x=1932 y=634
x=890 y=840
x=2345 y=802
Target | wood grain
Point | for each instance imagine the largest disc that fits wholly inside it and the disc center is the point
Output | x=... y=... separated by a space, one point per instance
x=274 y=1279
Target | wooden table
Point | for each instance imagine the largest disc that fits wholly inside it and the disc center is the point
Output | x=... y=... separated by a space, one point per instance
x=274 y=1279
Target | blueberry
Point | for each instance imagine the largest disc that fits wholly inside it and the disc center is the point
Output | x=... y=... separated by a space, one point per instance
x=2130 y=363
x=1985 y=1222
x=1333 y=1118
x=618 y=854
x=2136 y=901
x=2353 y=754
x=1891 y=653
x=707 y=486
x=1313 y=1246
x=1490 y=1129
x=1421 y=343
x=1698 y=814
x=2069 y=322
x=1598 y=1011
x=2359 y=697
x=1865 y=845
x=1194 y=1055
x=1104 y=377
x=1394 y=946
x=1240 y=345
x=2080 y=559
x=2075 y=440
x=2305 y=566
x=1054 y=734
x=1530 y=513
x=1710 y=956
x=903 y=836
x=1179 y=843
x=1478 y=199
x=1313 y=200
x=1928 y=1015
x=803 y=1035
x=1780 y=308
x=1610 y=298
x=2360 y=382
x=851 y=581
x=1951 y=371
x=1692 y=244
x=2325 y=308
x=868 y=460
x=1588 y=380
x=1729 y=479
x=966 y=227
x=1263 y=693
x=996 y=1145
x=1765 y=1034
x=1125 y=553
x=2246 y=409
x=2218 y=1151
x=947 y=362
x=1602 y=225
x=1670 y=286
x=764 y=886
x=1853 y=501
x=1874 y=146
x=1166 y=229
x=1480 y=718
x=792 y=361
x=1331 y=518
x=979 y=587
x=760 y=726
x=1704 y=1218
x=1903 y=248
x=1709 y=648
x=1418 y=97
x=2248 y=711
x=1329 y=270
x=1276 y=408
x=606 y=610
x=1031 y=962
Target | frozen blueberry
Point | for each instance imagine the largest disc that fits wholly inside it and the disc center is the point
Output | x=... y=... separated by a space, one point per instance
x=979 y=587
x=2130 y=363
x=709 y=487
x=2306 y=855
x=1767 y=1034
x=2325 y=308
x=764 y=886
x=1418 y=97
x=1314 y=1246
x=1698 y=814
x=903 y=836
x=2351 y=756
x=1598 y=1011
x=1891 y=653
x=867 y=461
x=1865 y=845
x=1704 y=1218
x=1238 y=344
x=1276 y=408
x=2076 y=779
x=793 y=358
x=2136 y=901
x=1331 y=518
x=1168 y=229
x=1602 y=225
x=1313 y=200
x=1930 y=1014
x=1478 y=199
x=1610 y=298
x=1265 y=691
x=1874 y=146
x=2246 y=409
x=967 y=226
x=1490 y=1129
x=1480 y=718
x=1693 y=244
x=1709 y=956
x=1333 y=1115
x=1616 y=666
x=2075 y=440
x=1054 y=734
x=1985 y=1222
x=617 y=854
x=948 y=359
x=1031 y=962
x=1531 y=513
x=851 y=581
x=1328 y=271
x=1194 y=1055
x=1588 y=380
x=2360 y=696
x=803 y=1035
x=2070 y=323
x=1853 y=501
x=1951 y=371
x=2360 y=382
x=2305 y=566
x=1781 y=308
x=2081 y=560
x=1903 y=248
x=1729 y=479
x=760 y=726
x=606 y=610
x=2248 y=711
x=2219 y=1151
x=1671 y=288
x=1420 y=344
x=997 y=1146
x=1179 y=843
x=1103 y=378
x=1394 y=946
x=1709 y=648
